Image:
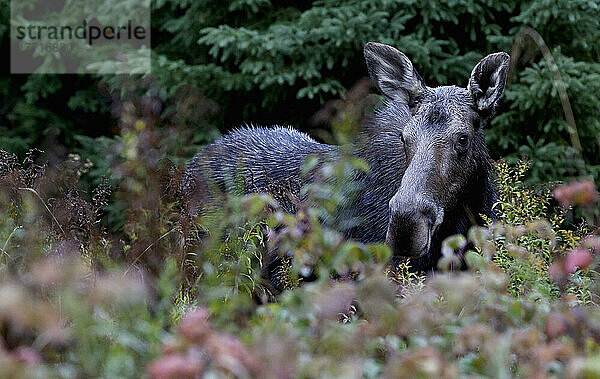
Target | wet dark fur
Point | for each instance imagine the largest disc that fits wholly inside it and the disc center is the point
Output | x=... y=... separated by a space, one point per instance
x=429 y=172
x=270 y=160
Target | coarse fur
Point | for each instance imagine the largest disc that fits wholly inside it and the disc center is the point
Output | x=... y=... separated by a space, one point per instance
x=429 y=174
x=267 y=159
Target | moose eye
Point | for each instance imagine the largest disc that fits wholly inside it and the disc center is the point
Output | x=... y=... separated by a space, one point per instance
x=463 y=140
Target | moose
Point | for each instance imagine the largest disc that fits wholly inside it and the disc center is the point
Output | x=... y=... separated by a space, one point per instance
x=430 y=171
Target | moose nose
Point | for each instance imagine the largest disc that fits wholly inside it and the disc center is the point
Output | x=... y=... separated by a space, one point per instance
x=412 y=224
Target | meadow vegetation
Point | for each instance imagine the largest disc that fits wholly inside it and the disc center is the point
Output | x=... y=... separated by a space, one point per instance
x=77 y=299
x=103 y=275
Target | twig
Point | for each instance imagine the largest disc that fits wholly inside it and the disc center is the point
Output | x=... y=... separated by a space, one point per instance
x=558 y=82
x=48 y=209
x=145 y=250
x=3 y=249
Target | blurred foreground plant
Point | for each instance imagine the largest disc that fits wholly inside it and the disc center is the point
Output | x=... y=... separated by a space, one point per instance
x=77 y=300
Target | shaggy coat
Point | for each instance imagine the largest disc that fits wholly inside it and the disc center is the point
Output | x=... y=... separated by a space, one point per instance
x=429 y=174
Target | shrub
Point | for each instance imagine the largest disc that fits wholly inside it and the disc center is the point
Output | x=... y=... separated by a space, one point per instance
x=529 y=233
x=80 y=299
x=75 y=301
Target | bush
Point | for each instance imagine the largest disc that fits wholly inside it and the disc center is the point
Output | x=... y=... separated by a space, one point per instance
x=78 y=300
x=107 y=277
x=529 y=233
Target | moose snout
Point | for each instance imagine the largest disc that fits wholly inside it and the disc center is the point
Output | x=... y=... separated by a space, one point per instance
x=412 y=225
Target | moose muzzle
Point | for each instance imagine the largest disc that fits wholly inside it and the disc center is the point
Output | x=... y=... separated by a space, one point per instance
x=412 y=225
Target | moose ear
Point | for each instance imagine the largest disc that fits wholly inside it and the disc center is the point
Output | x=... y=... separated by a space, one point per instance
x=488 y=79
x=393 y=72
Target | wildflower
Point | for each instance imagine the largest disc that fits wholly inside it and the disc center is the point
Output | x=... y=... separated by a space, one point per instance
x=578 y=259
x=195 y=326
x=175 y=366
x=555 y=325
x=229 y=354
x=27 y=355
x=577 y=193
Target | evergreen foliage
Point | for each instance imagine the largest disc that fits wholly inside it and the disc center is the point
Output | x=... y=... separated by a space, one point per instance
x=275 y=61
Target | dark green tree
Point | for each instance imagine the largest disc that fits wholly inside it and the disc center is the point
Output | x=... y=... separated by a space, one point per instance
x=270 y=62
